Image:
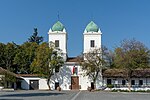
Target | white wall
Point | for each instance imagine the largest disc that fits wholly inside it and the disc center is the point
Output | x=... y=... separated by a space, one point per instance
x=43 y=84
x=91 y=36
x=84 y=82
x=62 y=37
x=25 y=83
x=145 y=86
x=64 y=78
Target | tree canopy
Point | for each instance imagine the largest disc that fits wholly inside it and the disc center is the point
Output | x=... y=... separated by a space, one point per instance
x=130 y=55
x=35 y=37
x=47 y=59
x=25 y=54
x=7 y=54
x=93 y=63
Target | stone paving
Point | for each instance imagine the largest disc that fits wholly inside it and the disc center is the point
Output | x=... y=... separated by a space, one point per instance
x=112 y=96
x=72 y=95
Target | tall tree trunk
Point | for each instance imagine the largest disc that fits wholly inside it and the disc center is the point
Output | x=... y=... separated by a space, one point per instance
x=129 y=84
x=101 y=77
x=129 y=79
x=95 y=79
x=48 y=80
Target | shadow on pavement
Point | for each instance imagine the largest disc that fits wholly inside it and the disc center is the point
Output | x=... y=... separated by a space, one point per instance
x=11 y=99
x=31 y=95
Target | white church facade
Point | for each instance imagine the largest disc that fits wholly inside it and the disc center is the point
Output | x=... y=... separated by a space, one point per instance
x=71 y=76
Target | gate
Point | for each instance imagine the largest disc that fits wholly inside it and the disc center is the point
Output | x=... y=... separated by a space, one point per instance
x=34 y=84
x=74 y=82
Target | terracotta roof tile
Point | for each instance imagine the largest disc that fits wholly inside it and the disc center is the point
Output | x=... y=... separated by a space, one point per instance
x=139 y=73
x=72 y=59
x=28 y=75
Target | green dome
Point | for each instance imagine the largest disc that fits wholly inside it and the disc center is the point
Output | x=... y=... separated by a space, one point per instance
x=92 y=27
x=58 y=26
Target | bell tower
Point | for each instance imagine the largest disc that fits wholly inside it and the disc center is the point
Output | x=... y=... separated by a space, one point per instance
x=92 y=37
x=58 y=35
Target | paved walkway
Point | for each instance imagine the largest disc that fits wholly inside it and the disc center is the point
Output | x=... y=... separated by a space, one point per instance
x=72 y=95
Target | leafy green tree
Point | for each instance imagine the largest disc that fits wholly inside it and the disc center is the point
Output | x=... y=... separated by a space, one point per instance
x=131 y=55
x=46 y=60
x=9 y=54
x=2 y=56
x=25 y=54
x=35 y=37
x=93 y=63
x=7 y=78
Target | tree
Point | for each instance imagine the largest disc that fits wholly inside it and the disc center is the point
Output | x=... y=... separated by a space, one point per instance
x=8 y=79
x=9 y=54
x=131 y=55
x=46 y=60
x=25 y=54
x=2 y=56
x=35 y=37
x=93 y=63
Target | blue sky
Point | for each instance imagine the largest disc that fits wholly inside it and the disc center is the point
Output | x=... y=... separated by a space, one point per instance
x=117 y=19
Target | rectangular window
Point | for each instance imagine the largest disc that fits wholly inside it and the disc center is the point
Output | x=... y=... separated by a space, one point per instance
x=75 y=71
x=140 y=82
x=108 y=81
x=92 y=44
x=123 y=82
x=56 y=43
x=132 y=82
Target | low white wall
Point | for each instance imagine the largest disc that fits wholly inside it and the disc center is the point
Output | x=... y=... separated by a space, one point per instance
x=43 y=84
x=84 y=82
x=25 y=83
x=64 y=79
x=145 y=86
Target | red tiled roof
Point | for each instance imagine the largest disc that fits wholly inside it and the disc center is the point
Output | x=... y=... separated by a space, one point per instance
x=139 y=73
x=72 y=59
x=28 y=75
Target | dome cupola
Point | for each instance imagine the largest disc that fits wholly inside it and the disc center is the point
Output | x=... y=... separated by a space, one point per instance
x=58 y=26
x=92 y=27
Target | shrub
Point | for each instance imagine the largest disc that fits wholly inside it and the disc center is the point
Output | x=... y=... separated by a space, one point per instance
x=114 y=90
x=110 y=86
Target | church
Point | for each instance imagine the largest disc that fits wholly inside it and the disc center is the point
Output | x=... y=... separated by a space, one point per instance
x=71 y=76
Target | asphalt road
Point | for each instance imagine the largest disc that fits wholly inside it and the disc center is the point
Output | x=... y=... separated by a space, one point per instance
x=72 y=95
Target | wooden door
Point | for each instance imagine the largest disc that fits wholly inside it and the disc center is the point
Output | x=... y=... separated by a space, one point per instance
x=34 y=84
x=56 y=85
x=92 y=85
x=74 y=82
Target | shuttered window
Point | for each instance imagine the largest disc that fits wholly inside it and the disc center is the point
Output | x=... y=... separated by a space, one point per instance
x=56 y=43
x=92 y=44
